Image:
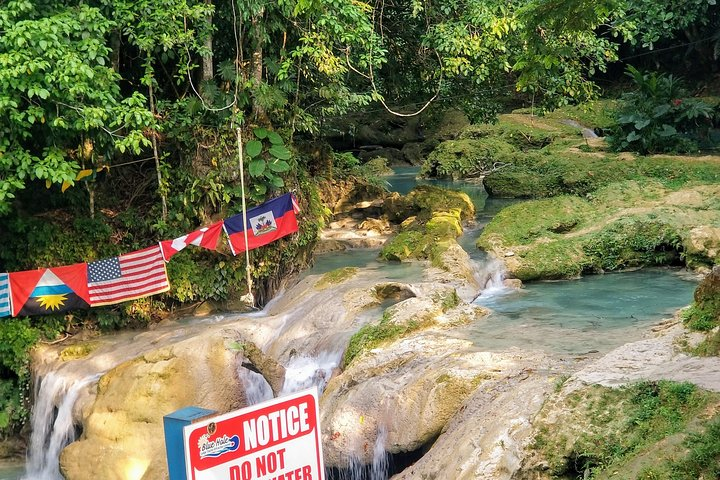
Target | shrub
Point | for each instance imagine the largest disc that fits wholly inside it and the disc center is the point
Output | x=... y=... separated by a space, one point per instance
x=657 y=117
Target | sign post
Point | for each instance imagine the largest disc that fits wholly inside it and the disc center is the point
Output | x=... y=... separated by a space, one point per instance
x=274 y=440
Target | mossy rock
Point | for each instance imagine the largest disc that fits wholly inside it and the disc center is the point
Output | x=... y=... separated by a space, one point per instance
x=403 y=246
x=519 y=135
x=523 y=223
x=619 y=433
x=462 y=158
x=704 y=314
x=625 y=225
x=634 y=242
x=558 y=170
x=379 y=166
x=429 y=234
x=430 y=200
x=80 y=350
x=425 y=200
x=335 y=277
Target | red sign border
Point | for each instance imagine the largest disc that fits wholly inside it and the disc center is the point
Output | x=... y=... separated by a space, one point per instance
x=313 y=391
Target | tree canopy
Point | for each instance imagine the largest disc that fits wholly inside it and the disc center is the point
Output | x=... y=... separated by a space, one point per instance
x=86 y=85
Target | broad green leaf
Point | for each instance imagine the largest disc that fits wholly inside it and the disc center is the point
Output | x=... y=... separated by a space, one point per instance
x=274 y=138
x=257 y=167
x=277 y=182
x=633 y=136
x=279 y=151
x=260 y=188
x=279 y=166
x=260 y=133
x=661 y=110
x=640 y=124
x=253 y=148
x=667 y=131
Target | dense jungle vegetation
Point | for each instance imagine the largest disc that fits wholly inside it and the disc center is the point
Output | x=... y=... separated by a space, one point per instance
x=120 y=119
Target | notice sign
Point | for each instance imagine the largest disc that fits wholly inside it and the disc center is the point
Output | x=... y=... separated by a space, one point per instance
x=274 y=440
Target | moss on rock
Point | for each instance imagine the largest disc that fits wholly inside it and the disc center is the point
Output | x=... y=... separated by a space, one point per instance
x=623 y=225
x=466 y=157
x=336 y=276
x=704 y=314
x=433 y=220
x=79 y=350
x=598 y=432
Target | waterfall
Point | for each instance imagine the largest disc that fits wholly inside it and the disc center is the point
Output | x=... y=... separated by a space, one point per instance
x=256 y=387
x=52 y=424
x=380 y=469
x=357 y=470
x=490 y=275
x=304 y=372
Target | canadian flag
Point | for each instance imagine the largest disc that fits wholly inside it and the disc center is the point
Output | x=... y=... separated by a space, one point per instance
x=206 y=237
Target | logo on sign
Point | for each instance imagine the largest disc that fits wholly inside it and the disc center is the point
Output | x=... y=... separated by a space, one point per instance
x=263 y=223
x=217 y=447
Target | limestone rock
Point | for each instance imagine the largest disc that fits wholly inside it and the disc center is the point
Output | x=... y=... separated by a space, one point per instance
x=122 y=431
x=409 y=390
x=488 y=436
x=704 y=242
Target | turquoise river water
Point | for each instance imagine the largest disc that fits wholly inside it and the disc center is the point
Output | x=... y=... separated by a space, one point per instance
x=592 y=314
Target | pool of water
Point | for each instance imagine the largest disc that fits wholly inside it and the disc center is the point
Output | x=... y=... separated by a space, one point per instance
x=367 y=260
x=11 y=471
x=594 y=313
x=405 y=178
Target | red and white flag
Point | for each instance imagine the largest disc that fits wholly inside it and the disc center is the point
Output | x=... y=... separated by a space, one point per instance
x=127 y=277
x=206 y=237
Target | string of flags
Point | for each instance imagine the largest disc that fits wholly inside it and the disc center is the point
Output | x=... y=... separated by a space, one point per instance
x=138 y=274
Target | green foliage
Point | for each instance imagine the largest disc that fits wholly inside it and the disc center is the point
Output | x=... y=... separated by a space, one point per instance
x=385 y=331
x=632 y=242
x=56 y=91
x=657 y=116
x=617 y=426
x=466 y=158
x=267 y=158
x=17 y=337
x=647 y=22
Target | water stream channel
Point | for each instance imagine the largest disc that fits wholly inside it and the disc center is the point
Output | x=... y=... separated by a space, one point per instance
x=590 y=315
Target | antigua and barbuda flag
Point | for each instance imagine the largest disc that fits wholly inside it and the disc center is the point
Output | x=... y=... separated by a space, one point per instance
x=49 y=290
x=5 y=309
x=265 y=223
x=206 y=237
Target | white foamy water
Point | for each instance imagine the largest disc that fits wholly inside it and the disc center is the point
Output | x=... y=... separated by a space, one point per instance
x=52 y=424
x=257 y=389
x=304 y=371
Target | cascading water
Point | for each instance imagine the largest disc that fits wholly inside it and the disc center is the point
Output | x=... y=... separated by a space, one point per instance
x=309 y=349
x=304 y=371
x=490 y=274
x=257 y=389
x=52 y=423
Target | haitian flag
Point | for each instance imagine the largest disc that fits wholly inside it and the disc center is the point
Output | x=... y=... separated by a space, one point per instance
x=265 y=223
x=206 y=237
x=4 y=295
x=49 y=290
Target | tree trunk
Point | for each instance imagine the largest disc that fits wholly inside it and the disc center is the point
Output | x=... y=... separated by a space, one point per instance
x=207 y=59
x=257 y=64
x=115 y=42
x=153 y=137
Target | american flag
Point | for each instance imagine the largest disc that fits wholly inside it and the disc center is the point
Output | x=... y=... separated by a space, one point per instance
x=127 y=277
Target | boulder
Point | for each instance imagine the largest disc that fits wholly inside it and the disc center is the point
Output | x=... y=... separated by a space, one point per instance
x=703 y=243
x=122 y=428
